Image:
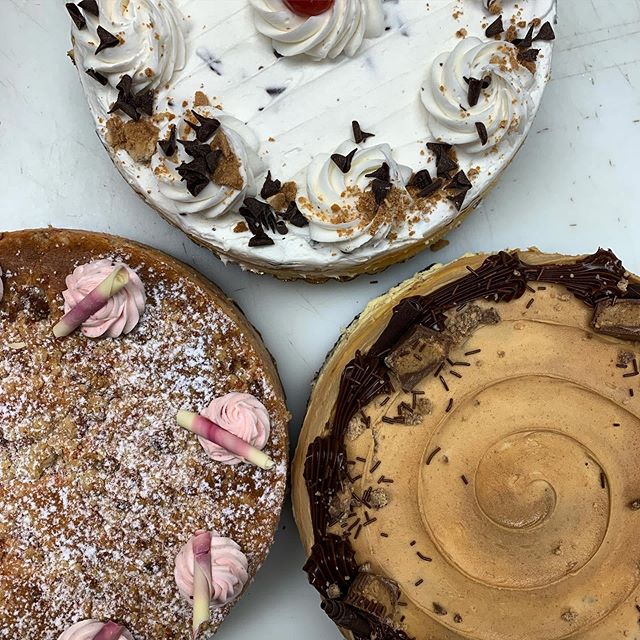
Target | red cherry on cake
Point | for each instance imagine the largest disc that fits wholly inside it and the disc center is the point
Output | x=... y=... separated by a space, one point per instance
x=309 y=7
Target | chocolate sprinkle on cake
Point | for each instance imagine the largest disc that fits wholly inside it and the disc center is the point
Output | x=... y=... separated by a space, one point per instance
x=270 y=187
x=482 y=132
x=359 y=135
x=96 y=75
x=473 y=92
x=90 y=6
x=343 y=162
x=76 y=15
x=107 y=40
x=495 y=28
x=208 y=126
x=420 y=179
x=169 y=146
x=546 y=32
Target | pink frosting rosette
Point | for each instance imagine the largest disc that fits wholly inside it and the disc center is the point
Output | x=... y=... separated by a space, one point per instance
x=88 y=630
x=122 y=311
x=229 y=570
x=241 y=414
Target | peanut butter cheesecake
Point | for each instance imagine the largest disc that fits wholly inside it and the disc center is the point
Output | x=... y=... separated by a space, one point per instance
x=105 y=502
x=313 y=138
x=468 y=464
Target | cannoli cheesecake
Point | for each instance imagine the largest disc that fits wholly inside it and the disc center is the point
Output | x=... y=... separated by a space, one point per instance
x=312 y=138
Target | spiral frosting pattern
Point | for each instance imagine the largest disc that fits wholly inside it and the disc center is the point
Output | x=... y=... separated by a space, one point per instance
x=341 y=29
x=334 y=216
x=514 y=492
x=215 y=200
x=229 y=570
x=152 y=42
x=504 y=105
x=122 y=312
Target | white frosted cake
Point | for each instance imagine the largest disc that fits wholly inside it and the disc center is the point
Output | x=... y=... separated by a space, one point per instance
x=279 y=172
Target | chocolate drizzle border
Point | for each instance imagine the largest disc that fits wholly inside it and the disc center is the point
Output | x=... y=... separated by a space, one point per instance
x=502 y=277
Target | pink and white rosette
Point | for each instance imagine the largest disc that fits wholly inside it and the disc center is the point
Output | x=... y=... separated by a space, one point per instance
x=229 y=570
x=244 y=416
x=88 y=630
x=122 y=311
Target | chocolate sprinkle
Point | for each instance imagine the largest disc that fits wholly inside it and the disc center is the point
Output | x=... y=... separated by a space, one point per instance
x=270 y=187
x=439 y=609
x=473 y=353
x=76 y=15
x=495 y=28
x=107 y=40
x=546 y=32
x=275 y=91
x=530 y=55
x=343 y=162
x=432 y=455
x=431 y=188
x=603 y=480
x=294 y=216
x=482 y=133
x=169 y=146
x=260 y=239
x=473 y=92
x=464 y=479
x=420 y=179
x=449 y=406
x=90 y=6
x=359 y=135
x=417 y=583
x=208 y=126
x=423 y=557
x=96 y=75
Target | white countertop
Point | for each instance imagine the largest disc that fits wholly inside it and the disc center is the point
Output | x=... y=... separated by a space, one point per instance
x=573 y=187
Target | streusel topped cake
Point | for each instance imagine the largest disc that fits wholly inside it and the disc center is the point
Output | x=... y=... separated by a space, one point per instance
x=313 y=138
x=101 y=492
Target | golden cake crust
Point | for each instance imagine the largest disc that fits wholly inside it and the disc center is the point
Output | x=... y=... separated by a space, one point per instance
x=99 y=488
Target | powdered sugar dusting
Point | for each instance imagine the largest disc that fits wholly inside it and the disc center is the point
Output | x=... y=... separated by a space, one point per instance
x=99 y=488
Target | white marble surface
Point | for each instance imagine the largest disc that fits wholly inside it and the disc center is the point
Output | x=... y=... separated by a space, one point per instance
x=574 y=186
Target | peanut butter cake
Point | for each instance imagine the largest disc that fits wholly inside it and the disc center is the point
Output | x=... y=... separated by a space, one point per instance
x=313 y=138
x=109 y=511
x=468 y=466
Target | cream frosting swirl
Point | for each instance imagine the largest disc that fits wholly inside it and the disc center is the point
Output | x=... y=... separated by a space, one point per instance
x=333 y=195
x=229 y=570
x=215 y=199
x=504 y=106
x=152 y=43
x=123 y=310
x=241 y=414
x=340 y=29
x=87 y=630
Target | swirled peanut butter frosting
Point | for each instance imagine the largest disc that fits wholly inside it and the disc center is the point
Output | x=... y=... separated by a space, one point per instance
x=478 y=477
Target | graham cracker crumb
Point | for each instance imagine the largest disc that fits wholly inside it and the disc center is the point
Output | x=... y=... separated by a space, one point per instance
x=227 y=172
x=201 y=100
x=289 y=190
x=241 y=227
x=137 y=138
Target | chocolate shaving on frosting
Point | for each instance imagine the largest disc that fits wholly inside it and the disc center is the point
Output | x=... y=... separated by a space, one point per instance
x=359 y=135
x=270 y=187
x=207 y=127
x=76 y=15
x=502 y=277
x=96 y=75
x=495 y=28
x=546 y=32
x=91 y=6
x=107 y=40
x=343 y=162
